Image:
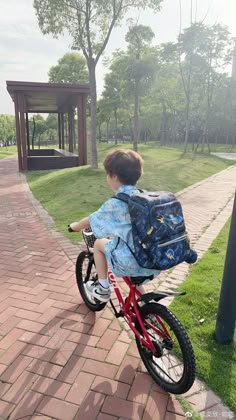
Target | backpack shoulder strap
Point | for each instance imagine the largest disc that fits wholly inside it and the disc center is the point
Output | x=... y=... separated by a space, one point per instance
x=122 y=196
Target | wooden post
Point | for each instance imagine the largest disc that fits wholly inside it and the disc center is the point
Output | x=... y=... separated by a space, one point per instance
x=23 y=132
x=62 y=131
x=70 y=130
x=59 y=130
x=18 y=139
x=27 y=131
x=84 y=129
x=80 y=128
x=82 y=140
x=73 y=129
x=72 y=123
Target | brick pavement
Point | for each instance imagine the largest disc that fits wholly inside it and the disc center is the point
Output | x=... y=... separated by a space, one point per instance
x=49 y=366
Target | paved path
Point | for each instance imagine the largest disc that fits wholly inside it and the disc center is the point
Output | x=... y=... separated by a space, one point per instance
x=228 y=156
x=49 y=366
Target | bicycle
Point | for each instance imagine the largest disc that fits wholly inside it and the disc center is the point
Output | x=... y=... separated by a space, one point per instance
x=162 y=341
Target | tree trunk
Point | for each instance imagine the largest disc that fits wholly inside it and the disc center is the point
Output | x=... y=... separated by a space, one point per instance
x=108 y=121
x=116 y=123
x=188 y=93
x=187 y=125
x=206 y=127
x=66 y=129
x=174 y=132
x=204 y=139
x=136 y=116
x=93 y=109
x=163 y=123
x=99 y=133
x=131 y=130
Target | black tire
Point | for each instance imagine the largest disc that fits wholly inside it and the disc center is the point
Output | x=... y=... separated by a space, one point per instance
x=174 y=368
x=85 y=270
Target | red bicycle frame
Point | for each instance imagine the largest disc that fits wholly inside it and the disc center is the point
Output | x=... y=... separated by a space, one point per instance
x=130 y=312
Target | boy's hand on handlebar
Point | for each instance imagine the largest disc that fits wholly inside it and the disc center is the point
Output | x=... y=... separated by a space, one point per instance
x=78 y=226
x=73 y=227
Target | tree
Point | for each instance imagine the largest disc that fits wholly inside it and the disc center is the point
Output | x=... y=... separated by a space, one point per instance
x=130 y=77
x=101 y=118
x=206 y=51
x=38 y=128
x=186 y=45
x=104 y=112
x=217 y=54
x=141 y=67
x=162 y=99
x=71 y=68
x=7 y=129
x=112 y=95
x=90 y=23
x=129 y=80
x=168 y=92
x=52 y=128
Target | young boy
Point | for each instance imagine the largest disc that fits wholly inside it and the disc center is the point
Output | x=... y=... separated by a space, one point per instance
x=112 y=220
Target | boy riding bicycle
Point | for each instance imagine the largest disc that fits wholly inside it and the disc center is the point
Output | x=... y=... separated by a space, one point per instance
x=112 y=220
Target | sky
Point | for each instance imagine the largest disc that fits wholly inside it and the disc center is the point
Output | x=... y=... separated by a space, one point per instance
x=26 y=54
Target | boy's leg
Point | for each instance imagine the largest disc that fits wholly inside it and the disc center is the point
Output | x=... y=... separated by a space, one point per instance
x=100 y=290
x=100 y=259
x=101 y=264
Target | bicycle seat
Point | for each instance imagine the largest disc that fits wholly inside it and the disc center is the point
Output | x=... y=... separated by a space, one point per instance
x=141 y=279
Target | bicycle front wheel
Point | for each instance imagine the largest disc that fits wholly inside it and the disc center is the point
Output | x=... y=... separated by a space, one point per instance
x=85 y=270
x=173 y=365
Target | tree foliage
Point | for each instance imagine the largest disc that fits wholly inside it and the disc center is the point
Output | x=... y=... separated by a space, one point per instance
x=71 y=68
x=207 y=52
x=90 y=23
x=7 y=129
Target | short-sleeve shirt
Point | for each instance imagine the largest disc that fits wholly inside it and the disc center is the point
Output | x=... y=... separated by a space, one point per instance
x=112 y=220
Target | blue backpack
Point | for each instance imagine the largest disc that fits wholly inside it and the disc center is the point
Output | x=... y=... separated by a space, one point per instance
x=159 y=234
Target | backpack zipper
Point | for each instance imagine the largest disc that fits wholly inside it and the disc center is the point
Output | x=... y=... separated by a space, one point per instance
x=180 y=238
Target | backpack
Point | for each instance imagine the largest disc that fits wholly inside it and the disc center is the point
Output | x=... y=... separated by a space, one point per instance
x=159 y=234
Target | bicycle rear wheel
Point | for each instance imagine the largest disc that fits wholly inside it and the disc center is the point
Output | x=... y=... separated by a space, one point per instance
x=173 y=364
x=85 y=270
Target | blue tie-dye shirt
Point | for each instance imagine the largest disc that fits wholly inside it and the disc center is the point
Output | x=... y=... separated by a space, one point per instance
x=112 y=220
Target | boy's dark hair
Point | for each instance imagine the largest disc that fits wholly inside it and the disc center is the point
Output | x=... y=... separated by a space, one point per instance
x=127 y=165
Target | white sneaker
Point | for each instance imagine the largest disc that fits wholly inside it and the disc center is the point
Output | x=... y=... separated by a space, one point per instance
x=98 y=291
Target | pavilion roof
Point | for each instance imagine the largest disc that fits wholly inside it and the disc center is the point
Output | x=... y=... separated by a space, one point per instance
x=47 y=97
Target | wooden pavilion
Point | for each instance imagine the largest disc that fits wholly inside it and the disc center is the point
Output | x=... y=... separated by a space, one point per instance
x=61 y=99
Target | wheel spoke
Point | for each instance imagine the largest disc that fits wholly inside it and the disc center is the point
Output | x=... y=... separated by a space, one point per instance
x=168 y=360
x=163 y=369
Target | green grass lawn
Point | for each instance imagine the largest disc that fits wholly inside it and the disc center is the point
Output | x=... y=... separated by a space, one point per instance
x=70 y=194
x=216 y=364
x=11 y=150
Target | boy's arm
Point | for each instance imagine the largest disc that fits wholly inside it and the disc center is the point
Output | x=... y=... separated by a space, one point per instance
x=82 y=224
